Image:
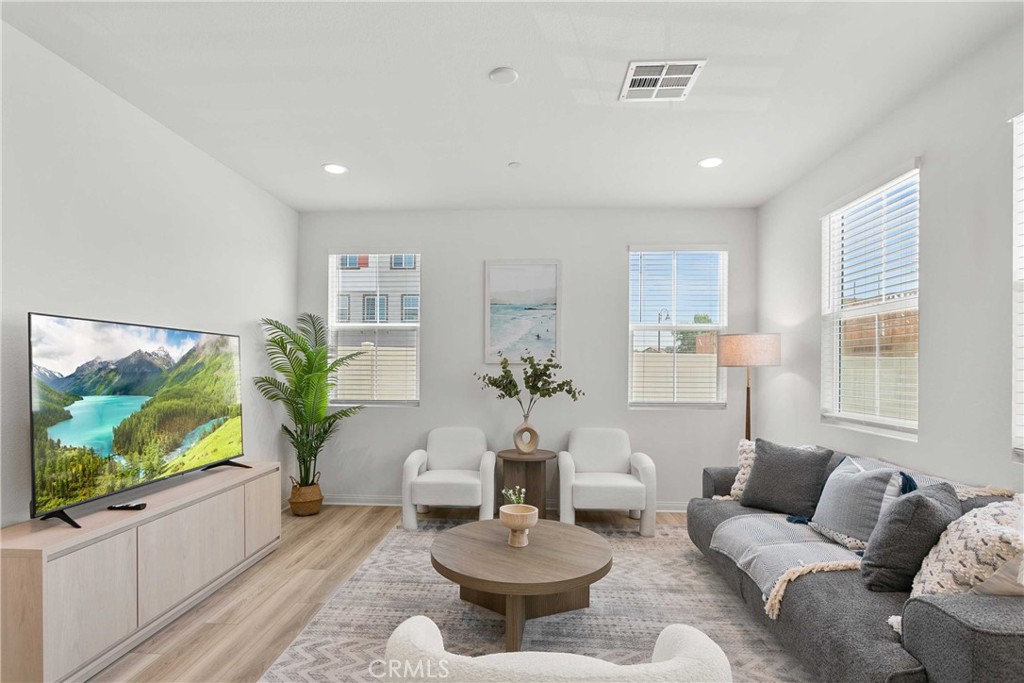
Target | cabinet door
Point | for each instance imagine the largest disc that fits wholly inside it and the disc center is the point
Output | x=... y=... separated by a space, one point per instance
x=185 y=550
x=90 y=597
x=262 y=512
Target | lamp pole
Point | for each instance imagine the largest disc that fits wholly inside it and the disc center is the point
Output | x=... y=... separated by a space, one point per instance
x=747 y=437
x=662 y=315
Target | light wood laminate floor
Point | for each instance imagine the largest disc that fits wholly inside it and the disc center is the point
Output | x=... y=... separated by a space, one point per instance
x=238 y=632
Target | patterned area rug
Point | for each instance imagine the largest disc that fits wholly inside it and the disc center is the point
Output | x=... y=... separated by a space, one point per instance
x=653 y=582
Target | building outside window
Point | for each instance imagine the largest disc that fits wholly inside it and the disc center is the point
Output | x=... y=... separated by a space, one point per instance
x=386 y=337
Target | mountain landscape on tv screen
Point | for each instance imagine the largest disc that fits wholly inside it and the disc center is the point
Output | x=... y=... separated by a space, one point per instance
x=116 y=423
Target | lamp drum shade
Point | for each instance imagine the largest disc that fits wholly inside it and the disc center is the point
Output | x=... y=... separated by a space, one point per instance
x=749 y=350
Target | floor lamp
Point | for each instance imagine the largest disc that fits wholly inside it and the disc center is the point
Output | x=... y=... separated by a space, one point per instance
x=748 y=351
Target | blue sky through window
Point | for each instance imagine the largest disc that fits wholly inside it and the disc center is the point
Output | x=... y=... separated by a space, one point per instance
x=674 y=287
x=880 y=237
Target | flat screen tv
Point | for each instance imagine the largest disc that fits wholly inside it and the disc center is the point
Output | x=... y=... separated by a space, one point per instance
x=115 y=406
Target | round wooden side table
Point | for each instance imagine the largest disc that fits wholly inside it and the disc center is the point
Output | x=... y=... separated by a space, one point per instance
x=529 y=471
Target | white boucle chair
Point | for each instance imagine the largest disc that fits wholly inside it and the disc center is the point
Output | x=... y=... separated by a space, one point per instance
x=599 y=472
x=415 y=652
x=456 y=470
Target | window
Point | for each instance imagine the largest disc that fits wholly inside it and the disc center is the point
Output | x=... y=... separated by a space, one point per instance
x=677 y=307
x=1018 y=286
x=348 y=261
x=387 y=369
x=375 y=308
x=869 y=322
x=403 y=261
x=343 y=308
x=410 y=308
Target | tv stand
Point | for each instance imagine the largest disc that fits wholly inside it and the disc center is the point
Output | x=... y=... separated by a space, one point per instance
x=227 y=463
x=63 y=516
x=74 y=600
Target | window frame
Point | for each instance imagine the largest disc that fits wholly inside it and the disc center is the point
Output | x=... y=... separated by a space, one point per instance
x=377 y=296
x=405 y=308
x=375 y=376
x=671 y=328
x=1017 y=377
x=348 y=308
x=404 y=264
x=347 y=265
x=833 y=313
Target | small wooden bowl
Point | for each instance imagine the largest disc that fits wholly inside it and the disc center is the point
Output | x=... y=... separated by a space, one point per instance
x=518 y=518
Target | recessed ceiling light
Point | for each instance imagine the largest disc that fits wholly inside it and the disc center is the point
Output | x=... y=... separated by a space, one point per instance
x=514 y=165
x=503 y=75
x=710 y=162
x=336 y=169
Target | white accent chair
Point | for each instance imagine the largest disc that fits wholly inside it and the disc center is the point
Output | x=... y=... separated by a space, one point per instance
x=456 y=470
x=599 y=472
x=415 y=651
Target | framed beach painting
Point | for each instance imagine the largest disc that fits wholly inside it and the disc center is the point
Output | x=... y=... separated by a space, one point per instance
x=522 y=314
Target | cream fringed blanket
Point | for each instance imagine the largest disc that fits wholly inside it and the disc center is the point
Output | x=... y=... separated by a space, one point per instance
x=774 y=553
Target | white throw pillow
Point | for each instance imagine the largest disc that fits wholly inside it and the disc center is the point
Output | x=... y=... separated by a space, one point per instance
x=972 y=549
x=746 y=461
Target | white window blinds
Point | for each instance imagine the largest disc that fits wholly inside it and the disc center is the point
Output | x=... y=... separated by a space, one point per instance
x=374 y=300
x=1018 y=285
x=677 y=307
x=869 y=308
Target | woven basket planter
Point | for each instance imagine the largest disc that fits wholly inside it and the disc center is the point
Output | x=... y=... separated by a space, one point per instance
x=306 y=500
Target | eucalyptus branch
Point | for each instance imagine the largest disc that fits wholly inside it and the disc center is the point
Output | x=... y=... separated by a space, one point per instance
x=538 y=381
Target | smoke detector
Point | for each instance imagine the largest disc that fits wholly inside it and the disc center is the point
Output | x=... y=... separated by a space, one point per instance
x=668 y=81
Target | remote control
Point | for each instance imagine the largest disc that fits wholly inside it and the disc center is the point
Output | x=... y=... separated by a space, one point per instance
x=127 y=506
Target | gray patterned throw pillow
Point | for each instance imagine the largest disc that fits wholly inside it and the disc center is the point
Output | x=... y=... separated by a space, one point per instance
x=851 y=502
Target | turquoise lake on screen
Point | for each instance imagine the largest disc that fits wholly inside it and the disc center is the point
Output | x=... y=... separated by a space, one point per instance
x=93 y=420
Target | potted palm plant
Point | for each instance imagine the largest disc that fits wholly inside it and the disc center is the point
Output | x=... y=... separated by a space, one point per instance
x=306 y=377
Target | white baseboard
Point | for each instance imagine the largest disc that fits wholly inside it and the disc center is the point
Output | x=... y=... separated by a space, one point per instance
x=396 y=501
x=361 y=499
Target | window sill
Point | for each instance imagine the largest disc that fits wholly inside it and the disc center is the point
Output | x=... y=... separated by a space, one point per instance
x=894 y=430
x=376 y=404
x=714 y=405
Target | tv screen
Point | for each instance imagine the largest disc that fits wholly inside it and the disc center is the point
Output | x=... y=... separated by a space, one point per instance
x=116 y=406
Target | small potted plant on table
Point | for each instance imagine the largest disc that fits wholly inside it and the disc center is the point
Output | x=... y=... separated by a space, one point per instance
x=519 y=518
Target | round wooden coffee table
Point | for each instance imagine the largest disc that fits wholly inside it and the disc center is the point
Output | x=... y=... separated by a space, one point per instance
x=550 y=575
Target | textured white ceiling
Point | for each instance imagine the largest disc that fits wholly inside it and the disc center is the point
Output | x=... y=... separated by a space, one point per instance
x=399 y=92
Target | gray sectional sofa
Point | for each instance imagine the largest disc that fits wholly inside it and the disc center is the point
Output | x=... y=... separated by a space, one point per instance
x=839 y=629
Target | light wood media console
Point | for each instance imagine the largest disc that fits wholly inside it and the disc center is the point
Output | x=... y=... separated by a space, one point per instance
x=74 y=600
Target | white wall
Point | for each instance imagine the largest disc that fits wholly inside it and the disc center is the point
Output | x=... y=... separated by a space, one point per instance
x=110 y=215
x=364 y=462
x=958 y=128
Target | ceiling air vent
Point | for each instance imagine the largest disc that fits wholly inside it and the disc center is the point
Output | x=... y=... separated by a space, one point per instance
x=660 y=81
